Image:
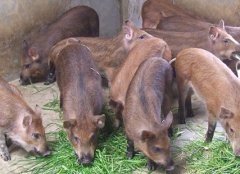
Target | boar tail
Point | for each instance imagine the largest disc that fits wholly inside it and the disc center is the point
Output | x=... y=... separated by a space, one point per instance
x=173 y=60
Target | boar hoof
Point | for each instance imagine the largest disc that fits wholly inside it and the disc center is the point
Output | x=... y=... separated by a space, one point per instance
x=130 y=155
x=151 y=165
x=116 y=123
x=6 y=156
x=182 y=121
x=190 y=114
x=50 y=79
x=208 y=139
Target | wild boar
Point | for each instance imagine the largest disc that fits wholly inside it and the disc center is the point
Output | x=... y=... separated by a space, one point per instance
x=183 y=24
x=81 y=97
x=216 y=85
x=163 y=15
x=145 y=127
x=110 y=53
x=141 y=51
x=78 y=21
x=215 y=40
x=20 y=123
x=154 y=11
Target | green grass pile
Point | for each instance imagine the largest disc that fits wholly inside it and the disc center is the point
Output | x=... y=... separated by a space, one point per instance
x=110 y=156
x=211 y=158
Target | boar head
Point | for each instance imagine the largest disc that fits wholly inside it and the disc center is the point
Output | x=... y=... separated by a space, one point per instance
x=230 y=123
x=83 y=136
x=31 y=134
x=155 y=143
x=133 y=35
x=33 y=66
x=222 y=43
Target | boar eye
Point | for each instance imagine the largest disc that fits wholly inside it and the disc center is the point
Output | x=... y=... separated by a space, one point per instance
x=36 y=135
x=157 y=149
x=231 y=130
x=93 y=137
x=27 y=66
x=142 y=36
x=76 y=139
x=226 y=41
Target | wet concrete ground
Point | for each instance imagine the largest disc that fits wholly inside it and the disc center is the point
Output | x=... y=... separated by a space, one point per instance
x=40 y=94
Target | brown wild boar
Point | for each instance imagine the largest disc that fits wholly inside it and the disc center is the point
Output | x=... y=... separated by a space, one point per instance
x=143 y=109
x=78 y=21
x=20 y=123
x=163 y=15
x=215 y=40
x=183 y=24
x=216 y=85
x=110 y=53
x=153 y=12
x=141 y=51
x=81 y=96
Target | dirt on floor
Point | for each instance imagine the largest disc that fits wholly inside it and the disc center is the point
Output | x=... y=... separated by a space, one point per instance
x=40 y=94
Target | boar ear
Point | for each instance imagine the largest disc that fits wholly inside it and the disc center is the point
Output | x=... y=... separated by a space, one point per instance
x=128 y=30
x=38 y=110
x=99 y=120
x=27 y=120
x=168 y=120
x=221 y=24
x=213 y=33
x=33 y=53
x=147 y=135
x=69 y=123
x=225 y=113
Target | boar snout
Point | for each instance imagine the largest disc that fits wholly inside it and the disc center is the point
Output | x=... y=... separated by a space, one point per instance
x=23 y=81
x=47 y=152
x=44 y=153
x=237 y=152
x=170 y=165
x=85 y=159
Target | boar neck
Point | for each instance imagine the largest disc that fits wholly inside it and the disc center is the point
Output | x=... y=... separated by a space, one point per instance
x=108 y=53
x=178 y=41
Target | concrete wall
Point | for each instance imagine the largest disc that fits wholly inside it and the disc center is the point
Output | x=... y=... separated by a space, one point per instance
x=214 y=10
x=18 y=18
x=131 y=9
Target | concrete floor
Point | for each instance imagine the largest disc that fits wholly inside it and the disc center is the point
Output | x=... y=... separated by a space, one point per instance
x=40 y=94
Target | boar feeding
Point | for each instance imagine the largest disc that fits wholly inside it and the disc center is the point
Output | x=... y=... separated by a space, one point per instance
x=142 y=114
x=20 y=123
x=78 y=21
x=216 y=85
x=81 y=96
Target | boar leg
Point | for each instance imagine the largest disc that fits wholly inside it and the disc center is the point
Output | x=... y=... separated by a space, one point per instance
x=188 y=104
x=212 y=122
x=4 y=153
x=151 y=165
x=130 y=149
x=61 y=101
x=182 y=92
x=166 y=108
x=118 y=113
x=51 y=75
